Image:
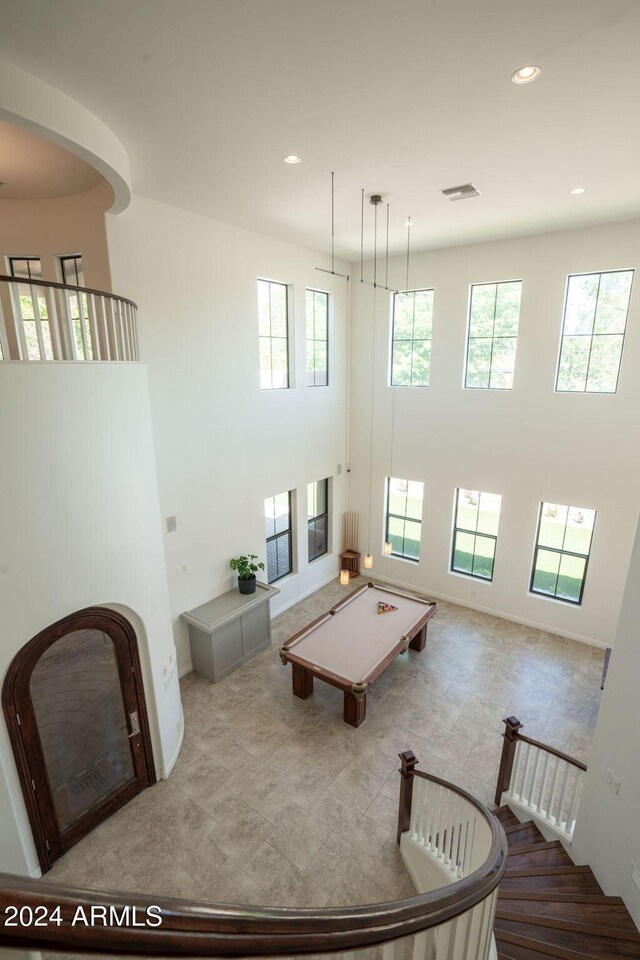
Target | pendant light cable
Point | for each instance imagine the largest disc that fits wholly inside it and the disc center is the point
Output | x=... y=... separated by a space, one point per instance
x=408 y=244
x=373 y=380
x=361 y=234
x=386 y=271
x=333 y=226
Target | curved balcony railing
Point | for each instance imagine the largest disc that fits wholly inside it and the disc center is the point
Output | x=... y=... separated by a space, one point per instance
x=539 y=781
x=42 y=320
x=452 y=922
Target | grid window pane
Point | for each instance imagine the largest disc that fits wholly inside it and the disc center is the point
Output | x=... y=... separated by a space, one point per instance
x=317 y=517
x=574 y=363
x=494 y=315
x=32 y=307
x=403 y=517
x=593 y=328
x=273 y=331
x=411 y=338
x=277 y=512
x=317 y=326
x=463 y=549
x=563 y=545
x=72 y=271
x=475 y=532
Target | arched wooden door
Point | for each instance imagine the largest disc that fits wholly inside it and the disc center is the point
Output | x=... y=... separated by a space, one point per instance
x=74 y=704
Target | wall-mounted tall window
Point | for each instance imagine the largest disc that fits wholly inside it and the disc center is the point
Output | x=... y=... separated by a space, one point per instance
x=404 y=517
x=317 y=338
x=563 y=545
x=317 y=518
x=494 y=315
x=411 y=338
x=593 y=328
x=277 y=521
x=475 y=533
x=72 y=271
x=31 y=305
x=273 y=322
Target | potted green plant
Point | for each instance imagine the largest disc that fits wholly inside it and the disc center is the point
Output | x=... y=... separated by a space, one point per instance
x=246 y=570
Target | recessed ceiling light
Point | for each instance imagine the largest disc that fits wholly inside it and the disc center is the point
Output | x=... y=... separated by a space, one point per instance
x=577 y=190
x=292 y=158
x=526 y=74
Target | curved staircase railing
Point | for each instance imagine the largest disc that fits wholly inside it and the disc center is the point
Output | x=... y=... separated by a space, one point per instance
x=539 y=781
x=443 y=924
x=43 y=320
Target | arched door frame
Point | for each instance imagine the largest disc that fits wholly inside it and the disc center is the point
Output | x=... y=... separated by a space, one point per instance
x=23 y=728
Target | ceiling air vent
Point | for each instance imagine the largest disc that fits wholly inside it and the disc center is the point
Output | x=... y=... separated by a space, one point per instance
x=461 y=193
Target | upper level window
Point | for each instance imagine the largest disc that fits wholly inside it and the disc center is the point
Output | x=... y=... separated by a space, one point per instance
x=273 y=320
x=404 y=517
x=317 y=517
x=593 y=327
x=563 y=545
x=277 y=521
x=31 y=306
x=317 y=338
x=475 y=533
x=494 y=314
x=411 y=339
x=72 y=270
x=73 y=274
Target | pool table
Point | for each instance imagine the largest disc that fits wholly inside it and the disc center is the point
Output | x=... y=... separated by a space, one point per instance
x=352 y=644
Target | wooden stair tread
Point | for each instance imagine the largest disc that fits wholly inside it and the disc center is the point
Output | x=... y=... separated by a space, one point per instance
x=512 y=946
x=578 y=944
x=578 y=910
x=582 y=925
x=539 y=895
x=523 y=832
x=559 y=883
x=538 y=855
x=505 y=815
x=553 y=870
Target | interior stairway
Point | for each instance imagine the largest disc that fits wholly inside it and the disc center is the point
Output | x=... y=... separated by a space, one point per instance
x=549 y=907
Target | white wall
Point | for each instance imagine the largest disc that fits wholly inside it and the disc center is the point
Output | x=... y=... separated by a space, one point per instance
x=607 y=834
x=80 y=526
x=529 y=444
x=222 y=444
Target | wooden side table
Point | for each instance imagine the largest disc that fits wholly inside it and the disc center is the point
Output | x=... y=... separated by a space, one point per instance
x=350 y=560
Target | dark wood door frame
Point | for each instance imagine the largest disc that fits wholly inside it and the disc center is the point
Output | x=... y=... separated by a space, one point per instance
x=25 y=740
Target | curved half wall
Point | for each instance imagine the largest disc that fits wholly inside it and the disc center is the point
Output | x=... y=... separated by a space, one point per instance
x=36 y=106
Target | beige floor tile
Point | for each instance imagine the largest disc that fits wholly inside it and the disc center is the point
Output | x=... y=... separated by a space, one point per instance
x=275 y=800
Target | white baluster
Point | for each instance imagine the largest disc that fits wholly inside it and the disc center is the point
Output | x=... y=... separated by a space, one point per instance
x=565 y=784
x=543 y=786
x=533 y=794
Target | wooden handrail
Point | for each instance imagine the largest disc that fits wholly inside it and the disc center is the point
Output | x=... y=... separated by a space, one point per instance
x=189 y=928
x=556 y=753
x=511 y=736
x=37 y=282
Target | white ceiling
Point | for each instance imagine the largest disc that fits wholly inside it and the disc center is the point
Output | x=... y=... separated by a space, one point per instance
x=32 y=168
x=401 y=97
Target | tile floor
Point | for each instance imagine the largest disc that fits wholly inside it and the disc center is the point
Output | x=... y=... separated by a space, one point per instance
x=277 y=801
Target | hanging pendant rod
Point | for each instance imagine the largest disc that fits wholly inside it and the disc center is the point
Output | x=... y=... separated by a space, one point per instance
x=347 y=276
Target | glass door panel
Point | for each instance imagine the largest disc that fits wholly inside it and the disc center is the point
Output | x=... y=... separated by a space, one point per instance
x=78 y=703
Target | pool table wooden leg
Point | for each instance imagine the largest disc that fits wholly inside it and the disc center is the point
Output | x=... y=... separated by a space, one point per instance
x=420 y=639
x=355 y=708
x=302 y=682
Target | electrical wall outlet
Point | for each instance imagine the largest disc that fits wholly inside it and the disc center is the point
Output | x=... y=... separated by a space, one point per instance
x=614 y=783
x=172 y=524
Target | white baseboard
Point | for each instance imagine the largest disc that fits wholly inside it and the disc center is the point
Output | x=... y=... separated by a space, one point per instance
x=168 y=767
x=303 y=595
x=590 y=641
